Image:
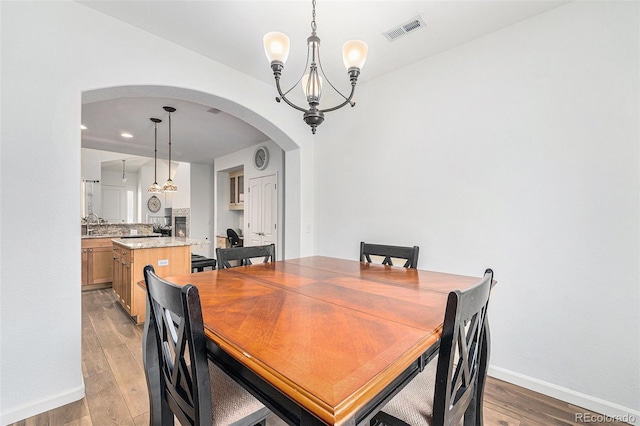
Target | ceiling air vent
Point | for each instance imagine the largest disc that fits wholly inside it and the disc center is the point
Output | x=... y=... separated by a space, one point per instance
x=406 y=28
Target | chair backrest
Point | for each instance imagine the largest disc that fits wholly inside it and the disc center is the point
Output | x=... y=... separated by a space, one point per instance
x=409 y=254
x=459 y=370
x=245 y=254
x=175 y=319
x=233 y=237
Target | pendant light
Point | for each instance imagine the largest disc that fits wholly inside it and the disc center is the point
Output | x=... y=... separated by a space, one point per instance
x=124 y=177
x=169 y=186
x=155 y=188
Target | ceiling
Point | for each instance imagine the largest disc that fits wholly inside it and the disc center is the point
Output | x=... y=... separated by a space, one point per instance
x=230 y=32
x=197 y=135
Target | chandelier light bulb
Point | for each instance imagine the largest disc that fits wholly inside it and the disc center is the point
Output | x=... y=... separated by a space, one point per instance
x=312 y=88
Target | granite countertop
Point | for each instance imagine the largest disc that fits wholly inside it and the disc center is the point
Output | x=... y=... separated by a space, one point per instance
x=84 y=237
x=157 y=242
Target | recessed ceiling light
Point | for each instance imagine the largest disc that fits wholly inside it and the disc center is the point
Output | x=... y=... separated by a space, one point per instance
x=83 y=127
x=126 y=135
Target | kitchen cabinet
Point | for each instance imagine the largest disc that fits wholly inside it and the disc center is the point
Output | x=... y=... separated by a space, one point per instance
x=122 y=275
x=236 y=190
x=129 y=259
x=97 y=265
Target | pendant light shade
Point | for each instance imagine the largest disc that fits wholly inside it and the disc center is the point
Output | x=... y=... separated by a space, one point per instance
x=354 y=54
x=155 y=188
x=169 y=186
x=276 y=46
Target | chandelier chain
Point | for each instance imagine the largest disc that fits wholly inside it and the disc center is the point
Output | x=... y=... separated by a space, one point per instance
x=314 y=27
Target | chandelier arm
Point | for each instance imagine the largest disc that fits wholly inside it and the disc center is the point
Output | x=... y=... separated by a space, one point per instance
x=331 y=84
x=300 y=79
x=283 y=97
x=347 y=101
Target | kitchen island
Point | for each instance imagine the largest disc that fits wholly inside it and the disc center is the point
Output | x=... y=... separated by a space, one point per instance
x=97 y=266
x=168 y=255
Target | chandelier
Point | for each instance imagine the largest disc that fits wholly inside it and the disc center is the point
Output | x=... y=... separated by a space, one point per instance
x=354 y=55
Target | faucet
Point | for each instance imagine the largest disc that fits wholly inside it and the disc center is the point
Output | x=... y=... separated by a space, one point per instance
x=97 y=221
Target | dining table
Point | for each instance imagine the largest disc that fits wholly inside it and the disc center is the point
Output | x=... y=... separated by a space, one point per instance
x=322 y=340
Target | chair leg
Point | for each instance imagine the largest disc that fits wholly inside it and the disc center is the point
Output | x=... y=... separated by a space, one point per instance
x=159 y=413
x=471 y=413
x=485 y=352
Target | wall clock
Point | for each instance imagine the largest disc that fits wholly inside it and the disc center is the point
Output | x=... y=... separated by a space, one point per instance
x=261 y=158
x=154 y=204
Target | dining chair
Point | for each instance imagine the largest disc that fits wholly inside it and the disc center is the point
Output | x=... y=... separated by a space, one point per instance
x=409 y=254
x=199 y=262
x=244 y=255
x=233 y=238
x=180 y=379
x=446 y=391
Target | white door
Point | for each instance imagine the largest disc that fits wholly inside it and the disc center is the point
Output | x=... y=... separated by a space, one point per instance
x=263 y=211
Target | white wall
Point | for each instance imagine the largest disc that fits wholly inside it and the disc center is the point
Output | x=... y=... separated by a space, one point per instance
x=91 y=169
x=202 y=208
x=52 y=53
x=517 y=151
x=182 y=179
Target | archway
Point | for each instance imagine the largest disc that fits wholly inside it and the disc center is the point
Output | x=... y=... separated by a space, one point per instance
x=291 y=239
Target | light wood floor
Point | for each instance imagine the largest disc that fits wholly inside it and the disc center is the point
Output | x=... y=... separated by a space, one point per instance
x=116 y=391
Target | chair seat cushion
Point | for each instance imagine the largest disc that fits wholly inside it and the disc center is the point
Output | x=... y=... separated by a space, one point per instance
x=414 y=403
x=230 y=402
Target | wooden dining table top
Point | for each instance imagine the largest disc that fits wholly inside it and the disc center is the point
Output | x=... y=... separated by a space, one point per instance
x=329 y=333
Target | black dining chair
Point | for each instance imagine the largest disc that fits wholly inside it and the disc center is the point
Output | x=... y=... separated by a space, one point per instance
x=233 y=238
x=244 y=255
x=180 y=379
x=448 y=389
x=409 y=254
x=199 y=262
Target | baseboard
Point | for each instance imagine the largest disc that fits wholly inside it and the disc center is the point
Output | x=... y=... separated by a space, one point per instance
x=36 y=407
x=608 y=409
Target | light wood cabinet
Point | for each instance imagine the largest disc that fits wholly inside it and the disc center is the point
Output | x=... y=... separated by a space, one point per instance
x=128 y=265
x=122 y=275
x=236 y=190
x=97 y=264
